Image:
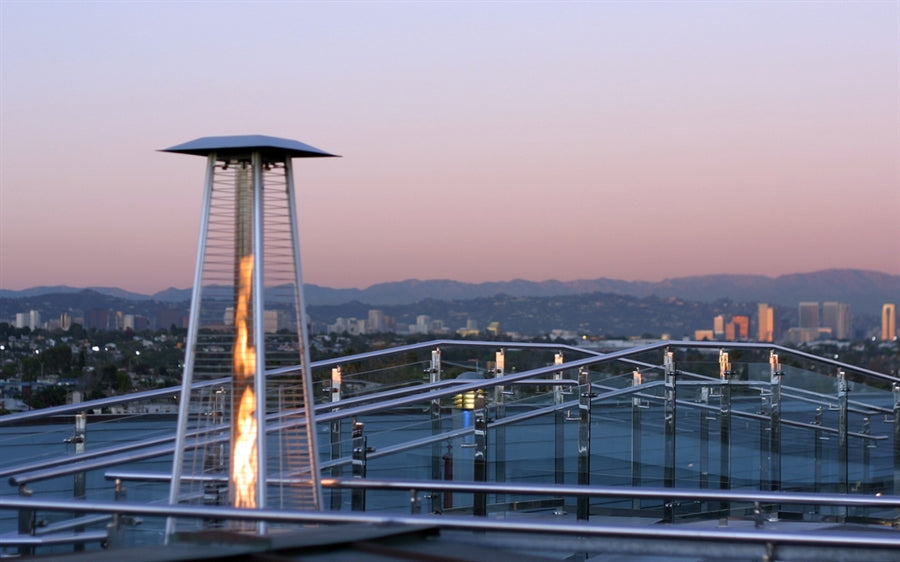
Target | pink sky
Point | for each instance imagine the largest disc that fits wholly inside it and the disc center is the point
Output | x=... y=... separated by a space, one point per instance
x=481 y=141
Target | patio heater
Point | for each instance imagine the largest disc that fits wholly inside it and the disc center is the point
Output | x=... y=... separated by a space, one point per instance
x=253 y=416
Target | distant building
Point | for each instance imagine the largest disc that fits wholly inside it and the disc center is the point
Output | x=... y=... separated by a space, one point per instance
x=701 y=335
x=375 y=324
x=422 y=325
x=741 y=327
x=34 y=319
x=765 y=316
x=836 y=316
x=30 y=319
x=168 y=317
x=65 y=321
x=96 y=318
x=889 y=322
x=806 y=335
x=719 y=327
x=350 y=326
x=809 y=314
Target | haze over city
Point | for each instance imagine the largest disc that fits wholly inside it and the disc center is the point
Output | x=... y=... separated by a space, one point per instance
x=480 y=141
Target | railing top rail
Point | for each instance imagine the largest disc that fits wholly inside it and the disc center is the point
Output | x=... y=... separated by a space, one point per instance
x=625 y=492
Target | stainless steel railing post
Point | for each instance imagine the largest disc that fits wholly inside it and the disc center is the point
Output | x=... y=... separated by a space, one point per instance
x=336 y=432
x=26 y=522
x=479 y=505
x=775 y=379
x=843 y=443
x=584 y=441
x=559 y=420
x=434 y=376
x=636 y=437
x=360 y=452
x=669 y=414
x=500 y=413
x=725 y=375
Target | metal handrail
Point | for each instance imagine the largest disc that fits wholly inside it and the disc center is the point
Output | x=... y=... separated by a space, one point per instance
x=616 y=492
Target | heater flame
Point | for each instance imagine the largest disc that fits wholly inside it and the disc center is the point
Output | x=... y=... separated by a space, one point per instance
x=244 y=432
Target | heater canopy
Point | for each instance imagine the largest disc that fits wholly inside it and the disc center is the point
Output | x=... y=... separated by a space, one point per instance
x=238 y=146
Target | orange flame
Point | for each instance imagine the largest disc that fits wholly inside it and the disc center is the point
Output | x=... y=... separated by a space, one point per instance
x=244 y=429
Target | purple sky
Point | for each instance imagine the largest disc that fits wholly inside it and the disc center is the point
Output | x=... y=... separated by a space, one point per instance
x=481 y=141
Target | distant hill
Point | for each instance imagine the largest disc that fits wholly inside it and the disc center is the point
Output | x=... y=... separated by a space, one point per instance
x=864 y=291
x=65 y=289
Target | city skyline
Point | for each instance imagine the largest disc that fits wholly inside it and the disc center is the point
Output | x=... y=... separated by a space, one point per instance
x=485 y=142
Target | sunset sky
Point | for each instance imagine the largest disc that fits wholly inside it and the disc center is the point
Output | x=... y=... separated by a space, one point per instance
x=481 y=141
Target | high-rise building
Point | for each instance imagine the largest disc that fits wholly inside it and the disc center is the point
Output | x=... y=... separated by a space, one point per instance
x=809 y=314
x=889 y=322
x=65 y=321
x=34 y=319
x=719 y=327
x=375 y=324
x=836 y=316
x=96 y=318
x=741 y=327
x=765 y=323
x=21 y=320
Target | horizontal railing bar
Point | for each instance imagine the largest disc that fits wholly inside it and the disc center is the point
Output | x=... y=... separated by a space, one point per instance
x=14 y=539
x=684 y=494
x=543 y=526
x=67 y=524
x=624 y=492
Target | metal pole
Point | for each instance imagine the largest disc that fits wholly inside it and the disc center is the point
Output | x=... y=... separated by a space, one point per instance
x=78 y=484
x=360 y=451
x=817 y=451
x=867 y=455
x=302 y=324
x=259 y=336
x=725 y=429
x=26 y=522
x=843 y=444
x=704 y=443
x=584 y=441
x=434 y=376
x=500 y=412
x=669 y=430
x=559 y=420
x=78 y=441
x=337 y=471
x=479 y=507
x=636 y=435
x=190 y=346
x=775 y=378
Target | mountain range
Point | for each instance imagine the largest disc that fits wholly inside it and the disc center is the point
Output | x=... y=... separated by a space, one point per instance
x=864 y=291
